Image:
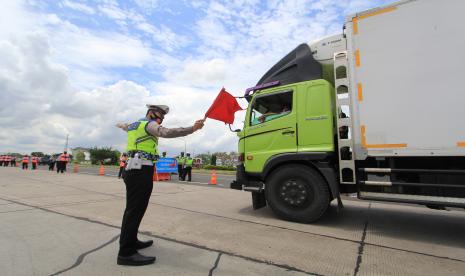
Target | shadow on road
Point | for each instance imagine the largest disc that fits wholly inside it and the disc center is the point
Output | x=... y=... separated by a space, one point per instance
x=393 y=222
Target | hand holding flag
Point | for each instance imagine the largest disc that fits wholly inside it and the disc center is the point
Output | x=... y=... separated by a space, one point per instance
x=223 y=108
x=198 y=124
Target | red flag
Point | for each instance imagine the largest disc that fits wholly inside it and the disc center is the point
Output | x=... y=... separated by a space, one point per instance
x=223 y=108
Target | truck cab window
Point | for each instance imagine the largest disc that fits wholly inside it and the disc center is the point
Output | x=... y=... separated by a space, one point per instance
x=270 y=107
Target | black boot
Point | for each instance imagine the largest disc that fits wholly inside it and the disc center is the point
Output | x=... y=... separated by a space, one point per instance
x=135 y=260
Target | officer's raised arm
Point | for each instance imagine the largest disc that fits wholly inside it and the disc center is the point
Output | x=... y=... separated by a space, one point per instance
x=123 y=126
x=156 y=114
x=153 y=128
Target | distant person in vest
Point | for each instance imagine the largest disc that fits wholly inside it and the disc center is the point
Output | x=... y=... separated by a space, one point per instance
x=62 y=162
x=13 y=161
x=25 y=162
x=188 y=168
x=7 y=161
x=122 y=164
x=142 y=151
x=34 y=161
x=51 y=163
x=2 y=159
x=180 y=160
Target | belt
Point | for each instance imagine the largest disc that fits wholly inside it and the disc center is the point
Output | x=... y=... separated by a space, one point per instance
x=143 y=155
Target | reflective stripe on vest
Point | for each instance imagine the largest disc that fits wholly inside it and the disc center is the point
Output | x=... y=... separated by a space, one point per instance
x=140 y=140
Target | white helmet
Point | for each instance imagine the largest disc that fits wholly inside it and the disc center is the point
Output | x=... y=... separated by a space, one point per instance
x=163 y=108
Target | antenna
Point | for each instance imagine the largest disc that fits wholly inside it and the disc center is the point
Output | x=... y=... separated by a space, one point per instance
x=66 y=143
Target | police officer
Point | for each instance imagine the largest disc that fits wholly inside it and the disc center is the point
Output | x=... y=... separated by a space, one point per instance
x=188 y=168
x=180 y=160
x=34 y=161
x=142 y=151
x=62 y=160
x=25 y=161
x=51 y=163
x=7 y=160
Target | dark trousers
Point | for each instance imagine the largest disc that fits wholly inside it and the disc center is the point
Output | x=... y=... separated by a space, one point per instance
x=180 y=172
x=61 y=167
x=25 y=166
x=51 y=166
x=139 y=185
x=187 y=172
x=13 y=164
x=121 y=171
x=34 y=166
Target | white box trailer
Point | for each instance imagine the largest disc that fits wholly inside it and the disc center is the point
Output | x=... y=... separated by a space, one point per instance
x=406 y=72
x=400 y=68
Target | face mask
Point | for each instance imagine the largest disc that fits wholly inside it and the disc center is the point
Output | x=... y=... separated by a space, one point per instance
x=156 y=118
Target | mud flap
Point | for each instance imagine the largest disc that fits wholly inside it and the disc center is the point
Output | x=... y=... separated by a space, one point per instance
x=236 y=185
x=258 y=200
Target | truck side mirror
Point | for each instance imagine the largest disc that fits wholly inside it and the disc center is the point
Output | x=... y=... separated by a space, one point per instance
x=236 y=130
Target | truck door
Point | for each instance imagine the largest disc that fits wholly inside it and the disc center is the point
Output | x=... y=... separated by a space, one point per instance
x=270 y=128
x=315 y=117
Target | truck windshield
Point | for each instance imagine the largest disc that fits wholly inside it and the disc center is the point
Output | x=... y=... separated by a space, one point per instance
x=269 y=107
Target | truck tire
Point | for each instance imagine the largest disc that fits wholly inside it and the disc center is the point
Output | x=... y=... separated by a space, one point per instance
x=297 y=193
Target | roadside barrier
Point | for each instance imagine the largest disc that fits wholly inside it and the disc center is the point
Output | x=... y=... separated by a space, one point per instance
x=102 y=170
x=213 y=178
x=160 y=176
x=164 y=176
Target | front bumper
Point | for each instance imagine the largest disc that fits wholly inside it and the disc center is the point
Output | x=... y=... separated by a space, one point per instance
x=246 y=182
x=241 y=178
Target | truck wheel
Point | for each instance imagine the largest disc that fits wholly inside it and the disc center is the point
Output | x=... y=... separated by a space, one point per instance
x=297 y=193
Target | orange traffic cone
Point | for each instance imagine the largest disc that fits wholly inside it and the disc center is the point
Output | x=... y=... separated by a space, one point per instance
x=155 y=175
x=75 y=168
x=213 y=178
x=102 y=170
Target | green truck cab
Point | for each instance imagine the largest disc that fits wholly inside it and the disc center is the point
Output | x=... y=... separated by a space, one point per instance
x=287 y=145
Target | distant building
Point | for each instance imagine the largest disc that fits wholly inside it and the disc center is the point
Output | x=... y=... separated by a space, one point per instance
x=77 y=150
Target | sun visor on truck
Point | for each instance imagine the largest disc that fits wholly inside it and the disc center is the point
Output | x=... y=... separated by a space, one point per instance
x=297 y=66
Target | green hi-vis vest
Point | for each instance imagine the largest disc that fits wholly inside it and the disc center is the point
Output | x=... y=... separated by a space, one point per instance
x=189 y=162
x=180 y=160
x=140 y=140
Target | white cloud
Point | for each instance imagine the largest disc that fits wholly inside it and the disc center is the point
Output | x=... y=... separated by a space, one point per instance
x=78 y=6
x=147 y=5
x=57 y=77
x=113 y=11
x=163 y=36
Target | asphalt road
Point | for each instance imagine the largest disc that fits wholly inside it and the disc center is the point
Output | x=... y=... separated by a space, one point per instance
x=68 y=224
x=223 y=181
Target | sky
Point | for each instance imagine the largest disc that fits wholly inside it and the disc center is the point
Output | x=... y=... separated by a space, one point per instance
x=79 y=67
